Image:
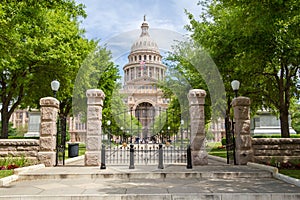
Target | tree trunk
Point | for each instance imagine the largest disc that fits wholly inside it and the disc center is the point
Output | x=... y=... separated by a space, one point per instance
x=284 y=125
x=284 y=100
x=4 y=122
x=284 y=114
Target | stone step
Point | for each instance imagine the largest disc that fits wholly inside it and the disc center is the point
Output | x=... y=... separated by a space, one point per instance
x=146 y=175
x=174 y=182
x=190 y=196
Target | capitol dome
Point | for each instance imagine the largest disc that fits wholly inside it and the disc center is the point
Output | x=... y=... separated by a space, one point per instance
x=144 y=42
x=144 y=60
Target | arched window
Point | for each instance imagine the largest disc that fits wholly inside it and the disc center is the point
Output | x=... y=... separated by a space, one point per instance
x=145 y=57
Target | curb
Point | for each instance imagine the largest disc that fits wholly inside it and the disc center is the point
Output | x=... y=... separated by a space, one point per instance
x=287 y=179
x=271 y=169
x=7 y=180
x=70 y=160
x=18 y=171
x=275 y=173
x=216 y=158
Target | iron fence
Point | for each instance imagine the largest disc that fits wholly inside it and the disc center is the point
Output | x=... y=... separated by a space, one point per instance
x=145 y=154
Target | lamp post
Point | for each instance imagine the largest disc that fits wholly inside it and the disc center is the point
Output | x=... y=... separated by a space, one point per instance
x=230 y=139
x=55 y=86
x=108 y=125
x=235 y=84
x=61 y=129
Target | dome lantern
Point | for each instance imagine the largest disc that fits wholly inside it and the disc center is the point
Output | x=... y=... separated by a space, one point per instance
x=144 y=42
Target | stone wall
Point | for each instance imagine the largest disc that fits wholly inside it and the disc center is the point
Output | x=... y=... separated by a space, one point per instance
x=19 y=148
x=278 y=149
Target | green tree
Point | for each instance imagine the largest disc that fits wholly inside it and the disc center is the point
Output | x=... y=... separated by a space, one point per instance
x=258 y=43
x=295 y=116
x=97 y=71
x=39 y=41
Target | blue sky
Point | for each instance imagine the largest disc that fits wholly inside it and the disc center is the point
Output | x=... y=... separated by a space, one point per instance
x=117 y=23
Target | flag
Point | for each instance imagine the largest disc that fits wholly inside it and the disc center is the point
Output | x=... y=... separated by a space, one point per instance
x=143 y=64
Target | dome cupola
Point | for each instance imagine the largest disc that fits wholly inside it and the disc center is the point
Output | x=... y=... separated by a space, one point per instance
x=144 y=42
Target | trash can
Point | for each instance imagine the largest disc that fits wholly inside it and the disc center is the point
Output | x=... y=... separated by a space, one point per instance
x=73 y=149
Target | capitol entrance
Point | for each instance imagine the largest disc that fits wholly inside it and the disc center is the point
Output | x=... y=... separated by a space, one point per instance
x=145 y=114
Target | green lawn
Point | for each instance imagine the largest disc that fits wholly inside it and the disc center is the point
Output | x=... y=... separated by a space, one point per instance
x=218 y=152
x=295 y=173
x=213 y=149
x=4 y=173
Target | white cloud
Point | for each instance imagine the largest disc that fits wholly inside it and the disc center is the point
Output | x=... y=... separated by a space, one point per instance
x=106 y=17
x=118 y=22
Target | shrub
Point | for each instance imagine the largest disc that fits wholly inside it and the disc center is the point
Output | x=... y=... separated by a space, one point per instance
x=275 y=136
x=223 y=141
x=12 y=166
x=12 y=163
x=22 y=137
x=11 y=130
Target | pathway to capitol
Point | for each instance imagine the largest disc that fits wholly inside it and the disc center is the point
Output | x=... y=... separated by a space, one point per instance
x=214 y=181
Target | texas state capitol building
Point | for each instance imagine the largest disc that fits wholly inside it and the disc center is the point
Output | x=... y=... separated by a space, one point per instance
x=143 y=70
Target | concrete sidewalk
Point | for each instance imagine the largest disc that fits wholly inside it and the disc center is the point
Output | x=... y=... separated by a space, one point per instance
x=215 y=181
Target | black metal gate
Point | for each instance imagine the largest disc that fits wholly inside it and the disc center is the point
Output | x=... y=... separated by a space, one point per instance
x=145 y=154
x=145 y=128
x=61 y=140
x=230 y=141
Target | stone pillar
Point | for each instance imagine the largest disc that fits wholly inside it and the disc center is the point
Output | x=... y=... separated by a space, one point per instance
x=196 y=105
x=243 y=141
x=48 y=130
x=95 y=99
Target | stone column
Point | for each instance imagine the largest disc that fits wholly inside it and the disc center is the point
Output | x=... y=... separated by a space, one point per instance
x=48 y=130
x=196 y=102
x=95 y=99
x=243 y=141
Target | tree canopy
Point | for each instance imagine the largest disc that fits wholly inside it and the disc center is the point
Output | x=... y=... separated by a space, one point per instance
x=39 y=41
x=258 y=43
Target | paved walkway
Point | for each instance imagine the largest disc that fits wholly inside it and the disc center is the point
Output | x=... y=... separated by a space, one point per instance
x=214 y=181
